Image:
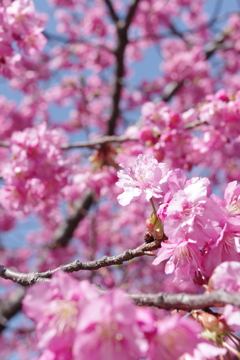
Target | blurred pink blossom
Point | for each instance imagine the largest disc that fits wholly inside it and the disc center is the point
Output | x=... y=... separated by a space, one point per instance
x=109 y=330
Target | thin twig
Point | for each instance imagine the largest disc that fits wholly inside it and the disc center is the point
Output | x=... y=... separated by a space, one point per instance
x=26 y=279
x=112 y=11
x=98 y=142
x=66 y=41
x=172 y=88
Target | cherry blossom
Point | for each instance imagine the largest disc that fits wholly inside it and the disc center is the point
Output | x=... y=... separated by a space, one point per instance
x=227 y=276
x=146 y=176
x=56 y=324
x=87 y=104
x=184 y=259
x=169 y=331
x=110 y=330
x=37 y=169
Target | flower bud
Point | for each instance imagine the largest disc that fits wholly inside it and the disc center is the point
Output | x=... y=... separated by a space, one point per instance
x=154 y=226
x=209 y=322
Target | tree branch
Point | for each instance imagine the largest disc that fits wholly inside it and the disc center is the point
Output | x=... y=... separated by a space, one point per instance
x=55 y=37
x=10 y=307
x=122 y=28
x=172 y=88
x=98 y=142
x=131 y=13
x=64 y=232
x=35 y=277
x=185 y=301
x=112 y=11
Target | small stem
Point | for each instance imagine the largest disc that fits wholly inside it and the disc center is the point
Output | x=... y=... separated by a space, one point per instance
x=233 y=339
x=230 y=348
x=153 y=206
x=234 y=336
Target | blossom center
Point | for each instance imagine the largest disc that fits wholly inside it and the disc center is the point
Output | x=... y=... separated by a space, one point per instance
x=140 y=179
x=63 y=315
x=234 y=207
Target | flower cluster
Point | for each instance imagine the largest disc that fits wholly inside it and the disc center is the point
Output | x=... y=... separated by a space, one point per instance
x=146 y=176
x=73 y=320
x=37 y=171
x=202 y=230
x=19 y=23
x=226 y=276
x=87 y=71
x=196 y=136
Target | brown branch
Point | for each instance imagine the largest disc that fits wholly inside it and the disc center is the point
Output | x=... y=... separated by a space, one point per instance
x=122 y=41
x=182 y=301
x=98 y=142
x=176 y=32
x=35 y=277
x=185 y=301
x=64 y=232
x=214 y=45
x=10 y=307
x=171 y=89
x=112 y=11
x=131 y=13
x=90 y=144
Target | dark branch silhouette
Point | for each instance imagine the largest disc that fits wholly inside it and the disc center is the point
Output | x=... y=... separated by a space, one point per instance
x=64 y=232
x=111 y=10
x=122 y=41
x=10 y=306
x=59 y=38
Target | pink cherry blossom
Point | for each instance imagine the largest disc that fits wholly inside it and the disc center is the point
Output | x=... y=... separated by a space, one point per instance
x=183 y=258
x=146 y=176
x=55 y=308
x=227 y=276
x=36 y=171
x=50 y=355
x=174 y=337
x=109 y=330
x=185 y=212
x=232 y=198
x=205 y=350
x=22 y=17
x=33 y=42
x=231 y=315
x=7 y=221
x=87 y=83
x=223 y=249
